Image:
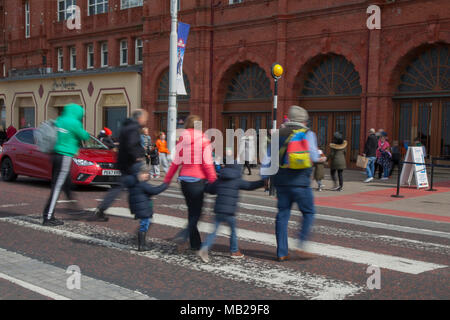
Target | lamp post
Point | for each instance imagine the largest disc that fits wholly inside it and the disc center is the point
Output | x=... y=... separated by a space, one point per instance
x=277 y=72
x=172 y=110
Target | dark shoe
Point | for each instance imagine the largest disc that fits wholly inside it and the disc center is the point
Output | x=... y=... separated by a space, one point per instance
x=99 y=215
x=141 y=241
x=285 y=258
x=52 y=222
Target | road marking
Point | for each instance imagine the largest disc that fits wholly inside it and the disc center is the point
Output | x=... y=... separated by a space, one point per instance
x=364 y=223
x=253 y=272
x=14 y=205
x=51 y=281
x=394 y=263
x=32 y=287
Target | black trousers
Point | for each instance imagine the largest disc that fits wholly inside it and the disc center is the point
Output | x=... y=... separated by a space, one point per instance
x=340 y=176
x=194 y=194
x=61 y=180
x=395 y=163
x=379 y=168
x=247 y=165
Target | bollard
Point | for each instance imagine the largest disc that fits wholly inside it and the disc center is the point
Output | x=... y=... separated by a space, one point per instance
x=399 y=171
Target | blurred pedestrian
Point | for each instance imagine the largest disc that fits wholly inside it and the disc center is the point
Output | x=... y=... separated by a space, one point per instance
x=319 y=170
x=384 y=156
x=337 y=160
x=130 y=152
x=146 y=144
x=2 y=135
x=70 y=133
x=370 y=151
x=396 y=156
x=161 y=144
x=139 y=200
x=378 y=166
x=196 y=167
x=227 y=188
x=154 y=162
x=105 y=137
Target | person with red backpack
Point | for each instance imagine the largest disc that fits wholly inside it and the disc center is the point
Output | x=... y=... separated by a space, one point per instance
x=298 y=152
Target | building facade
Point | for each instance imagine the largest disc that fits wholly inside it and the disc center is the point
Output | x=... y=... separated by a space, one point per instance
x=348 y=77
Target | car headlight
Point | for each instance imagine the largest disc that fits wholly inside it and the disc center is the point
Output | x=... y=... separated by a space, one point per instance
x=82 y=163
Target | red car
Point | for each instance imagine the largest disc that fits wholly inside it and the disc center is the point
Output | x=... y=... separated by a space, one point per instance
x=94 y=164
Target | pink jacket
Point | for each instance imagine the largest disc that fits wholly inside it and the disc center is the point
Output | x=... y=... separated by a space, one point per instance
x=383 y=147
x=194 y=154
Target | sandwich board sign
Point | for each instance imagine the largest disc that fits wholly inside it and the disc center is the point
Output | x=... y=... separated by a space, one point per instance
x=419 y=171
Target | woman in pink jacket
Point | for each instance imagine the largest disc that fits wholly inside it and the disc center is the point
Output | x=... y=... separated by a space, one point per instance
x=194 y=155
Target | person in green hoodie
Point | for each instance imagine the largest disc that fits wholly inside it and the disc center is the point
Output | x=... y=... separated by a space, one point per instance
x=70 y=134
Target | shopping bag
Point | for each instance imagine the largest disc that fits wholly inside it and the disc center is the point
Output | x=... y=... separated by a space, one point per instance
x=361 y=162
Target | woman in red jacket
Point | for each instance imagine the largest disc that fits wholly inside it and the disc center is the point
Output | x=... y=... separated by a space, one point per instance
x=194 y=155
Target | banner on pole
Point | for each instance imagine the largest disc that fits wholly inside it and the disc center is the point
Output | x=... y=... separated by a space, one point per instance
x=183 y=32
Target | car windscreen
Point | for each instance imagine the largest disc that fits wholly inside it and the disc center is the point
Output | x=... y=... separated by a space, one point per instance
x=93 y=143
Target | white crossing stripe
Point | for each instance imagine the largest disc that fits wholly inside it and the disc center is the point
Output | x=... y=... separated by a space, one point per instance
x=365 y=223
x=399 y=264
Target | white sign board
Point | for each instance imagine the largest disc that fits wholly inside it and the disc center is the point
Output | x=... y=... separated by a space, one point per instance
x=414 y=154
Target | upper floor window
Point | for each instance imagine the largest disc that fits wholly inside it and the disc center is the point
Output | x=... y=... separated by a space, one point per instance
x=27 y=19
x=63 y=5
x=97 y=6
x=235 y=1
x=73 y=59
x=125 y=4
x=90 y=56
x=104 y=56
x=138 y=52
x=60 y=59
x=123 y=52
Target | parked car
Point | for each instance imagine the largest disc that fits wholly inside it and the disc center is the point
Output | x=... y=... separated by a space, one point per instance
x=94 y=164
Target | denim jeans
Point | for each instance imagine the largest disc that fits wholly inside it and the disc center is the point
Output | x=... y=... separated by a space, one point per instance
x=370 y=169
x=303 y=196
x=231 y=221
x=144 y=224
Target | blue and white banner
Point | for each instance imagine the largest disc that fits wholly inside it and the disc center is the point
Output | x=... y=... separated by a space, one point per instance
x=183 y=32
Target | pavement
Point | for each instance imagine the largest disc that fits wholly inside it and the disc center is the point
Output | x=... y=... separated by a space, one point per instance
x=409 y=245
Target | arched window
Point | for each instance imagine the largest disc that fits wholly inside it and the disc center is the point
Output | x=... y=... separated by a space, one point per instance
x=249 y=83
x=163 y=89
x=430 y=71
x=334 y=75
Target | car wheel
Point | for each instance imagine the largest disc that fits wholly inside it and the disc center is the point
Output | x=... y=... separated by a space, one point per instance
x=8 y=173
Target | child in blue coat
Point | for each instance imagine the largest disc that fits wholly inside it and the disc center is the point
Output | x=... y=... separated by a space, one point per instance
x=139 y=200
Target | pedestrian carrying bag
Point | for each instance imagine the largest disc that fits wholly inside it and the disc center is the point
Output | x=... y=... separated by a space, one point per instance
x=361 y=162
x=294 y=154
x=46 y=136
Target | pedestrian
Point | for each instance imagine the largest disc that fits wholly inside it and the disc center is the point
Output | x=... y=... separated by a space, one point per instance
x=140 y=201
x=293 y=185
x=130 y=152
x=370 y=151
x=154 y=162
x=161 y=144
x=247 y=153
x=396 y=156
x=319 y=170
x=2 y=135
x=337 y=160
x=196 y=167
x=378 y=166
x=70 y=133
x=146 y=144
x=227 y=188
x=384 y=156
x=10 y=132
x=105 y=137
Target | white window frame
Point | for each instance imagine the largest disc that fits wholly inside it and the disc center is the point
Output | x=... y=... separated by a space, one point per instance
x=60 y=55
x=136 y=51
x=67 y=4
x=27 y=19
x=235 y=1
x=127 y=4
x=95 y=4
x=73 y=58
x=89 y=55
x=103 y=51
x=123 y=51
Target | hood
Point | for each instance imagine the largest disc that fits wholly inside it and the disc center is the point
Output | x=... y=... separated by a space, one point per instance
x=339 y=146
x=231 y=171
x=73 y=110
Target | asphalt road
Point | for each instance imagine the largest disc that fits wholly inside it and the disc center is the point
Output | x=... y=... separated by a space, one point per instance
x=412 y=255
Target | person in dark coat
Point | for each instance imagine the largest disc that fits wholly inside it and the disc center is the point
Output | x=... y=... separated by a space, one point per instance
x=2 y=135
x=139 y=200
x=227 y=188
x=130 y=152
x=105 y=138
x=370 y=151
x=337 y=160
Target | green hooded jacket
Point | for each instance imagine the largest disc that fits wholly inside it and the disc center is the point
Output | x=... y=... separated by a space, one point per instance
x=70 y=130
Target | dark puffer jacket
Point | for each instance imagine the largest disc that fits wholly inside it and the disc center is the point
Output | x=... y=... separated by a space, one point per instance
x=130 y=146
x=227 y=188
x=139 y=199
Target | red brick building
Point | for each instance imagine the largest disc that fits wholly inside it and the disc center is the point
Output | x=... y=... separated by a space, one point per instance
x=350 y=78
